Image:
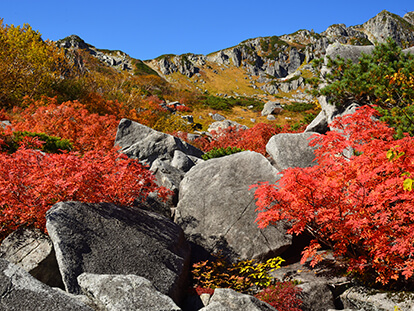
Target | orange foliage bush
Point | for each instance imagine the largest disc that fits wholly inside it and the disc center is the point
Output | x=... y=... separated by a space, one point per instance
x=70 y=120
x=254 y=139
x=358 y=199
x=31 y=182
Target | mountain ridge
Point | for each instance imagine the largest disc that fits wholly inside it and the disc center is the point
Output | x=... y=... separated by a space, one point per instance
x=263 y=66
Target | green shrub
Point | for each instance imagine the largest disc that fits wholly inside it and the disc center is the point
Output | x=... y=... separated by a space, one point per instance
x=299 y=107
x=220 y=152
x=50 y=144
x=383 y=79
x=368 y=82
x=227 y=103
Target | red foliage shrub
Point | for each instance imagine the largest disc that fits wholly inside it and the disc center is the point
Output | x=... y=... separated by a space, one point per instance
x=31 y=182
x=70 y=120
x=182 y=108
x=356 y=200
x=254 y=139
x=283 y=296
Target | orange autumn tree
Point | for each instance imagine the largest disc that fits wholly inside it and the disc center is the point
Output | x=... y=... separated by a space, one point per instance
x=356 y=200
x=29 y=66
x=31 y=182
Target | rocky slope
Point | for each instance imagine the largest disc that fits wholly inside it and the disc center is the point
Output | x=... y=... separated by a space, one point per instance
x=264 y=66
x=277 y=65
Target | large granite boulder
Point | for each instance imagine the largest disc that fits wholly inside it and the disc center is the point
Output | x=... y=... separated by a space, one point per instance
x=19 y=291
x=226 y=299
x=141 y=142
x=33 y=250
x=124 y=292
x=291 y=150
x=104 y=238
x=216 y=209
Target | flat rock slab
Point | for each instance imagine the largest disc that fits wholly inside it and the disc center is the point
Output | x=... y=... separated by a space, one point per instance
x=125 y=293
x=104 y=238
x=216 y=209
x=19 y=291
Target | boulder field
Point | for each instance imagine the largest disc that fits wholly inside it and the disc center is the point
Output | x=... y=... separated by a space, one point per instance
x=107 y=257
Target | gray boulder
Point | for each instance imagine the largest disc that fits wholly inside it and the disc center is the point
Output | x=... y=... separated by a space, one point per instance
x=321 y=124
x=104 y=238
x=271 y=107
x=181 y=161
x=226 y=299
x=19 y=291
x=33 y=250
x=362 y=298
x=291 y=150
x=218 y=117
x=352 y=52
x=167 y=175
x=124 y=293
x=216 y=209
x=220 y=125
x=321 y=285
x=141 y=142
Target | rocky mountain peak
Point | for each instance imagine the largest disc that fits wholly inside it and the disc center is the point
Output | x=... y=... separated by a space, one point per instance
x=73 y=41
x=386 y=24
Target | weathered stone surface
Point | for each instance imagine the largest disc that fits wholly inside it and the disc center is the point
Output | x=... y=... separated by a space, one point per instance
x=181 y=161
x=167 y=175
x=218 y=117
x=291 y=150
x=271 y=107
x=107 y=239
x=365 y=299
x=321 y=285
x=387 y=25
x=352 y=52
x=219 y=125
x=19 y=291
x=321 y=124
x=226 y=299
x=216 y=209
x=143 y=143
x=124 y=293
x=32 y=250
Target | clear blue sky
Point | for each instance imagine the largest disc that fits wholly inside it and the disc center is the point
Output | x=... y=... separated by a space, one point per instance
x=147 y=29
